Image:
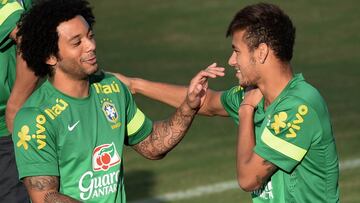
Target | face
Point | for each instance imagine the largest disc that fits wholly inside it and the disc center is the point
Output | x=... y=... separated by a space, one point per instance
x=77 y=58
x=243 y=60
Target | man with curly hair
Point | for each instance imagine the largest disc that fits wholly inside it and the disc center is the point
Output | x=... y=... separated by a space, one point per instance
x=70 y=134
x=286 y=149
x=17 y=79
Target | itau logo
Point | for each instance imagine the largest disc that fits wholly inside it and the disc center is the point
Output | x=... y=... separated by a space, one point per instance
x=105 y=157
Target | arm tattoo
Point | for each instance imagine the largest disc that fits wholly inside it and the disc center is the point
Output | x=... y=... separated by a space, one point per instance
x=56 y=197
x=271 y=168
x=166 y=134
x=50 y=185
x=42 y=183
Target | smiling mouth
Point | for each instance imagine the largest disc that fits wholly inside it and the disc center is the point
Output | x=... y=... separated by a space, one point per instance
x=237 y=70
x=91 y=60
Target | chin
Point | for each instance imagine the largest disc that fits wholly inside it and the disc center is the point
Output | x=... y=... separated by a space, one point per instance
x=93 y=69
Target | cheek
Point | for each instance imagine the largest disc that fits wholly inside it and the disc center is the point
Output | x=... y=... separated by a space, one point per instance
x=239 y=59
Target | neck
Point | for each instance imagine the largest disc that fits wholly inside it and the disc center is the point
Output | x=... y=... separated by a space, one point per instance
x=274 y=81
x=77 y=88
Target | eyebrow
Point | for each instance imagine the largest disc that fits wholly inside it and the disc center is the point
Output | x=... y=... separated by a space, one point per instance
x=234 y=47
x=75 y=37
x=78 y=35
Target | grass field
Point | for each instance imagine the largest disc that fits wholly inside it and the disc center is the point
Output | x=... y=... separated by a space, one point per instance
x=170 y=41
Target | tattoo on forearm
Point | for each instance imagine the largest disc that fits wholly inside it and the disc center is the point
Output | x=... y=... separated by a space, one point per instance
x=50 y=184
x=41 y=183
x=55 y=197
x=167 y=134
x=271 y=168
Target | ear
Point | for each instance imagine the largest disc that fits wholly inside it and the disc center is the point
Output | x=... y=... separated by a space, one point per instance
x=263 y=51
x=52 y=60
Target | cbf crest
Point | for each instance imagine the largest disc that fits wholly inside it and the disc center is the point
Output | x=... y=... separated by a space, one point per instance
x=111 y=113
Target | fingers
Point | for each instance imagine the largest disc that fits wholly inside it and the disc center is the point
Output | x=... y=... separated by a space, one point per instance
x=197 y=89
x=213 y=71
x=199 y=84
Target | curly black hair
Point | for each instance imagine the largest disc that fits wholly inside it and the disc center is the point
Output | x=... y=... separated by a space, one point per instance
x=265 y=23
x=38 y=30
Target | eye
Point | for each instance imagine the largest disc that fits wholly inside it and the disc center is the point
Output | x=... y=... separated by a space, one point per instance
x=91 y=35
x=77 y=43
x=236 y=51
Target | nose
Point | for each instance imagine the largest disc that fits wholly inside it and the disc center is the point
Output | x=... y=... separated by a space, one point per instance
x=232 y=59
x=90 y=44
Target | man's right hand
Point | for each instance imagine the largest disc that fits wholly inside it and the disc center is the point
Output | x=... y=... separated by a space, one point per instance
x=199 y=85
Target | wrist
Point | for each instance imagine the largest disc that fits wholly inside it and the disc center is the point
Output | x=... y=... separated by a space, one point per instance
x=187 y=109
x=247 y=105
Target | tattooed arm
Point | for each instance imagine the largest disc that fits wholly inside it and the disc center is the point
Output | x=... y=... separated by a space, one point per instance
x=168 y=133
x=45 y=189
x=252 y=170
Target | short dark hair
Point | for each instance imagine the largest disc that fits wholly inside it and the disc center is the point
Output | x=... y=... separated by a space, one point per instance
x=38 y=30
x=265 y=23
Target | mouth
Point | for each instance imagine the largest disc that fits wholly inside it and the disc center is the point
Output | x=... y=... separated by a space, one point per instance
x=238 y=73
x=91 y=60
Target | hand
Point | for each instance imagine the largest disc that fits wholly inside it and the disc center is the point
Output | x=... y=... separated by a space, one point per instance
x=252 y=97
x=199 y=85
x=128 y=81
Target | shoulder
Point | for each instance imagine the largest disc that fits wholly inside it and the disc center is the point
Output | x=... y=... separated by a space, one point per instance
x=305 y=90
x=40 y=97
x=35 y=111
x=28 y=119
x=26 y=113
x=42 y=107
x=9 y=7
x=303 y=94
x=234 y=94
x=10 y=11
x=236 y=90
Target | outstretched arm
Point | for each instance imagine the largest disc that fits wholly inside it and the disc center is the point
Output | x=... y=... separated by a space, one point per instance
x=174 y=95
x=168 y=133
x=45 y=189
x=252 y=170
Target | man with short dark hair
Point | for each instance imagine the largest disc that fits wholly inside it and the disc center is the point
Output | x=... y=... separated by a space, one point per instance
x=286 y=149
x=69 y=135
